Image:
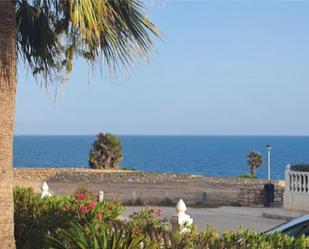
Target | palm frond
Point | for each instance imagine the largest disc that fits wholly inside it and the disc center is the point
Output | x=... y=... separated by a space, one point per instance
x=52 y=33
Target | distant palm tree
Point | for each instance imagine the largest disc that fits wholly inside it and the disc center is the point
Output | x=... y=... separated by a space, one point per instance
x=106 y=152
x=254 y=160
x=48 y=35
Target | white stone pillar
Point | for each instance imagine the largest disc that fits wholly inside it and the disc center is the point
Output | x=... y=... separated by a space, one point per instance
x=287 y=178
x=101 y=196
x=45 y=190
x=287 y=198
x=181 y=222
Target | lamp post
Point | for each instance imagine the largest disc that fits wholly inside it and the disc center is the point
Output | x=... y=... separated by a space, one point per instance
x=268 y=161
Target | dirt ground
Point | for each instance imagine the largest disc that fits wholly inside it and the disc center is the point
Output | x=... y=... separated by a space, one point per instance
x=149 y=193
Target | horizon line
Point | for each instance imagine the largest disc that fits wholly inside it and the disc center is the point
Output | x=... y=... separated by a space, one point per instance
x=184 y=135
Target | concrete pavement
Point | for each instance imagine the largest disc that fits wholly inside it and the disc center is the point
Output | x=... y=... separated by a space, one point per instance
x=230 y=218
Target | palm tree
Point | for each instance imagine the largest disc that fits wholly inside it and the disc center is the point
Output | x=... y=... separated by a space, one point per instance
x=254 y=160
x=48 y=35
x=106 y=152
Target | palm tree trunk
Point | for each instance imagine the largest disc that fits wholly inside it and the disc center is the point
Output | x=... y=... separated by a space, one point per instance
x=7 y=117
x=252 y=171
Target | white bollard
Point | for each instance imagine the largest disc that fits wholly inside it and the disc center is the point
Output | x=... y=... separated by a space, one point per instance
x=101 y=196
x=45 y=190
x=134 y=196
x=181 y=221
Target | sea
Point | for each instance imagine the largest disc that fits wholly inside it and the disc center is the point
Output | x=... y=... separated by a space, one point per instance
x=198 y=155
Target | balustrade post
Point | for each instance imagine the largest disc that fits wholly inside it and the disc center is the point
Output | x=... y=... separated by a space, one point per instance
x=288 y=179
x=181 y=222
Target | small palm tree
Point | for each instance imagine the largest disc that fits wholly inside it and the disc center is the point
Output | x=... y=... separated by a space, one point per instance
x=106 y=152
x=254 y=160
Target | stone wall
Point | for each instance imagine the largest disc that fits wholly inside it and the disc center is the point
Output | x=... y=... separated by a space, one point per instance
x=96 y=175
x=254 y=196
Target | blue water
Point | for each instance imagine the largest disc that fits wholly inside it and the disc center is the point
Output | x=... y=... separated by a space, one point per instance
x=205 y=155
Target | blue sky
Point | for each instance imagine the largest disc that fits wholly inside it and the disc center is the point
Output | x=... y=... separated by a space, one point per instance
x=223 y=68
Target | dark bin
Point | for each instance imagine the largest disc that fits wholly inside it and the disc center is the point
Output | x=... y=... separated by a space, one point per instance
x=269 y=192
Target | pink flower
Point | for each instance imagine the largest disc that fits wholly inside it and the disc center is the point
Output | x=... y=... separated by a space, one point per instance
x=91 y=205
x=158 y=213
x=80 y=196
x=83 y=209
x=99 y=215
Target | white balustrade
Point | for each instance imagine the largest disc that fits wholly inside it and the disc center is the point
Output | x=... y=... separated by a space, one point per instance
x=296 y=181
x=296 y=194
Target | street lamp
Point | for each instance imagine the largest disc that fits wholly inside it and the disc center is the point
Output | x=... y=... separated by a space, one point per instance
x=268 y=160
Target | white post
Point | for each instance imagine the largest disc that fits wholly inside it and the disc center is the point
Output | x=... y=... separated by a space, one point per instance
x=181 y=221
x=268 y=160
x=287 y=178
x=134 y=196
x=289 y=188
x=45 y=190
x=101 y=196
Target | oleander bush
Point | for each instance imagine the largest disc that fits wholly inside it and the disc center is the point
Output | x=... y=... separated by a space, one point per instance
x=300 y=167
x=35 y=217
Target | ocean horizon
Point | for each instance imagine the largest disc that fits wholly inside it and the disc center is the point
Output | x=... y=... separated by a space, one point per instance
x=214 y=155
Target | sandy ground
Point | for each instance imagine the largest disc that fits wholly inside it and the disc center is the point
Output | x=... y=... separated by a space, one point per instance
x=149 y=193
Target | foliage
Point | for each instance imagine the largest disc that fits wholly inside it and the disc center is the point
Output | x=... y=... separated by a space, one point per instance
x=35 y=217
x=254 y=160
x=73 y=222
x=84 y=189
x=96 y=236
x=247 y=176
x=146 y=217
x=106 y=152
x=100 y=236
x=129 y=169
x=300 y=167
x=51 y=34
x=240 y=239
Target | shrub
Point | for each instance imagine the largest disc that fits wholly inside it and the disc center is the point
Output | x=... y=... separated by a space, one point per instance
x=240 y=239
x=99 y=236
x=146 y=217
x=35 y=217
x=106 y=152
x=96 y=236
x=84 y=189
x=247 y=176
x=68 y=220
x=300 y=167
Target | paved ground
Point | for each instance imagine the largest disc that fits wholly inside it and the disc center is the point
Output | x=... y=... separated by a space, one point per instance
x=230 y=218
